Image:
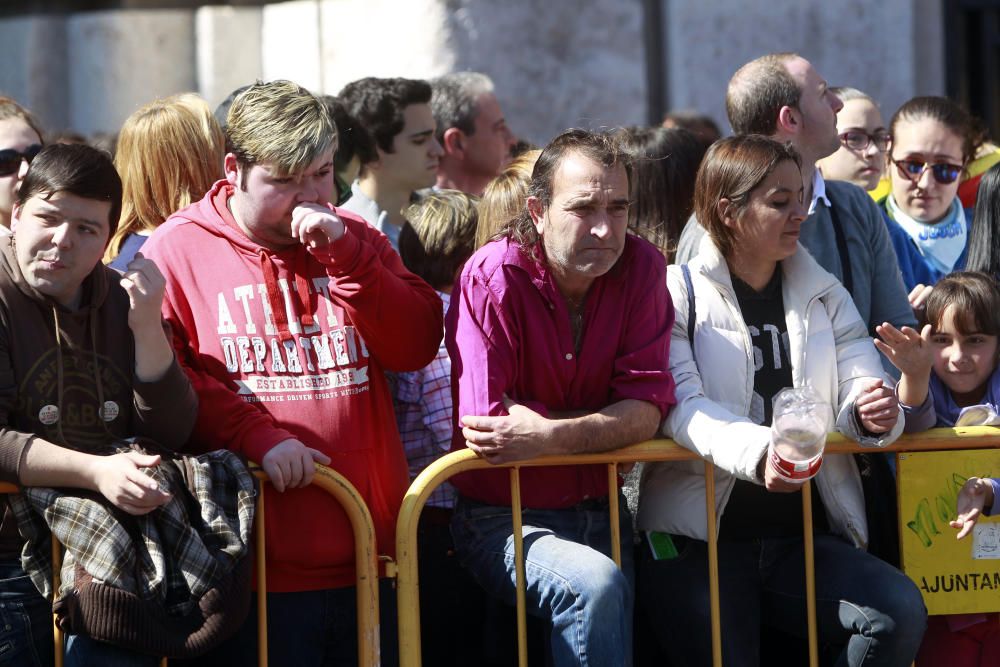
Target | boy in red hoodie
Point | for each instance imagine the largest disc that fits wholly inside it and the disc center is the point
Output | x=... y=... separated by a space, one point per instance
x=286 y=313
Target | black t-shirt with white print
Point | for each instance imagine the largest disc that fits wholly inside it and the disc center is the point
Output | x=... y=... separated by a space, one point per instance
x=753 y=511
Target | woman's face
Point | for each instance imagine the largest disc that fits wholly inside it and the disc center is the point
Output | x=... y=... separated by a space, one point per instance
x=861 y=122
x=768 y=228
x=17 y=135
x=917 y=189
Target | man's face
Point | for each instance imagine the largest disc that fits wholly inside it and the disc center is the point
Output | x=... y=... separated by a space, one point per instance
x=263 y=207
x=583 y=229
x=818 y=109
x=16 y=135
x=58 y=242
x=487 y=150
x=413 y=163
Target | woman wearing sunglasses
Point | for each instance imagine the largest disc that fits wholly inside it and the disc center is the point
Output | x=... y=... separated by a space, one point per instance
x=932 y=140
x=20 y=141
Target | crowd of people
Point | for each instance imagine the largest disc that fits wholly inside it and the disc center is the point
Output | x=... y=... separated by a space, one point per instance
x=371 y=280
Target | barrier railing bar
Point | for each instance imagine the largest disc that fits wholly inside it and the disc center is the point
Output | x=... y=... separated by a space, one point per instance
x=713 y=565
x=57 y=637
x=973 y=437
x=261 y=563
x=365 y=561
x=810 y=554
x=520 y=581
x=616 y=531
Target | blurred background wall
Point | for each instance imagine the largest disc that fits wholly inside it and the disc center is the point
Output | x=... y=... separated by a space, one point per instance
x=86 y=65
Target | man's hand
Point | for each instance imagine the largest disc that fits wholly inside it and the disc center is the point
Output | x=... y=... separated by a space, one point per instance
x=144 y=285
x=315 y=225
x=976 y=494
x=877 y=407
x=290 y=464
x=120 y=479
x=520 y=434
x=908 y=350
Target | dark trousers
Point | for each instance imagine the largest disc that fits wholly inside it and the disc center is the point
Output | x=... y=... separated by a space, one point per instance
x=308 y=629
x=863 y=604
x=25 y=620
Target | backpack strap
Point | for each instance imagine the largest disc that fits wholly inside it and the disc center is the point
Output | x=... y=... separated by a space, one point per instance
x=691 y=312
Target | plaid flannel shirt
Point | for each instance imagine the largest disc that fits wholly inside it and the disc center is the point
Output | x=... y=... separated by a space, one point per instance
x=422 y=400
x=171 y=557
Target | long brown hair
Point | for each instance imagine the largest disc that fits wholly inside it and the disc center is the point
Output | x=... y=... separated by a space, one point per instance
x=169 y=154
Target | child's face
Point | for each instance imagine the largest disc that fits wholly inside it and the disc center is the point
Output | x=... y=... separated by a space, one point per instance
x=963 y=363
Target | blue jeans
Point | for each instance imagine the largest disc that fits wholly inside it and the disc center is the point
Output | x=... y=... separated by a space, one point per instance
x=25 y=620
x=307 y=629
x=863 y=604
x=82 y=651
x=571 y=579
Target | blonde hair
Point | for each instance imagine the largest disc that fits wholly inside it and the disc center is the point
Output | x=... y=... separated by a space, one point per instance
x=11 y=109
x=279 y=123
x=439 y=236
x=169 y=154
x=504 y=197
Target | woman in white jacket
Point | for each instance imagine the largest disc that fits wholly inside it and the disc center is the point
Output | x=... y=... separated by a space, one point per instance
x=766 y=316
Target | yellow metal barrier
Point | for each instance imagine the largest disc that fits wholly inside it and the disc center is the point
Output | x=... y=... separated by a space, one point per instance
x=365 y=554
x=978 y=437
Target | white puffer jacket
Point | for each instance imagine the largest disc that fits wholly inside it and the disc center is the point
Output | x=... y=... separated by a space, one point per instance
x=829 y=349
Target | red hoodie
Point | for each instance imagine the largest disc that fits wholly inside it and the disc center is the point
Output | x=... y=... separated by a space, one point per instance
x=294 y=344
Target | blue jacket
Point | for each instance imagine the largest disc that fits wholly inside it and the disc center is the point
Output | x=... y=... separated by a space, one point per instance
x=912 y=265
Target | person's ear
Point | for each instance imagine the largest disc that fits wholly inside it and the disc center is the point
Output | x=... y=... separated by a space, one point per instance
x=15 y=215
x=789 y=121
x=453 y=142
x=537 y=212
x=724 y=209
x=231 y=168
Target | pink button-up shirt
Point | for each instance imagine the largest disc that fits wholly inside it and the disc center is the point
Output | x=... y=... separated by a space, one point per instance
x=508 y=333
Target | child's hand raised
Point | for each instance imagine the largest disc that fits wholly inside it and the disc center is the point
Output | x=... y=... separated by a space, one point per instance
x=908 y=350
x=975 y=496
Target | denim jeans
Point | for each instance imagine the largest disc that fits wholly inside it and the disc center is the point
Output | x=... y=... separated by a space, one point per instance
x=307 y=629
x=82 y=651
x=25 y=620
x=863 y=604
x=570 y=577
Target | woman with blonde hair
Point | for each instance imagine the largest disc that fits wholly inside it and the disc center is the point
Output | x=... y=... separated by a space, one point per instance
x=169 y=154
x=505 y=196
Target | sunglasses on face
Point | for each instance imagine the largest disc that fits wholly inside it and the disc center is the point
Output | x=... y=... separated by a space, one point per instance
x=912 y=169
x=859 y=140
x=10 y=158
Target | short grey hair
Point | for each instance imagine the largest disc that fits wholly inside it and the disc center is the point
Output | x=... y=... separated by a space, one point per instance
x=454 y=100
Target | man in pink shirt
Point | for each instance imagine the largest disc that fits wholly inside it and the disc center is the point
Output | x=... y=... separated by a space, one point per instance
x=559 y=336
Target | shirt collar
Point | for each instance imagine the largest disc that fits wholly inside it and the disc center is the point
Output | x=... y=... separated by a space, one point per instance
x=819 y=192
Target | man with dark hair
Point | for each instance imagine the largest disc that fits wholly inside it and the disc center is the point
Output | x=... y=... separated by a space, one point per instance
x=559 y=339
x=84 y=361
x=354 y=147
x=397 y=114
x=472 y=131
x=782 y=96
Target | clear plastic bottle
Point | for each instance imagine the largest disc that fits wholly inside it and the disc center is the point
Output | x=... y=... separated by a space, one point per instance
x=800 y=422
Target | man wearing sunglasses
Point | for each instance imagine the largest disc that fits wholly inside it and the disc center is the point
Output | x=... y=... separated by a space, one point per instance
x=782 y=96
x=20 y=141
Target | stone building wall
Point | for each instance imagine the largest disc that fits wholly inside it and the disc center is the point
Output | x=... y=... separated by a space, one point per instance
x=556 y=63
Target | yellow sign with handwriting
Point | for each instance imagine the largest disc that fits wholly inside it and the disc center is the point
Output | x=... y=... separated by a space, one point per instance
x=955 y=576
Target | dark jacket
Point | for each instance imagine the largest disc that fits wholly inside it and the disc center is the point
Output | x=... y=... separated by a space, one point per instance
x=69 y=376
